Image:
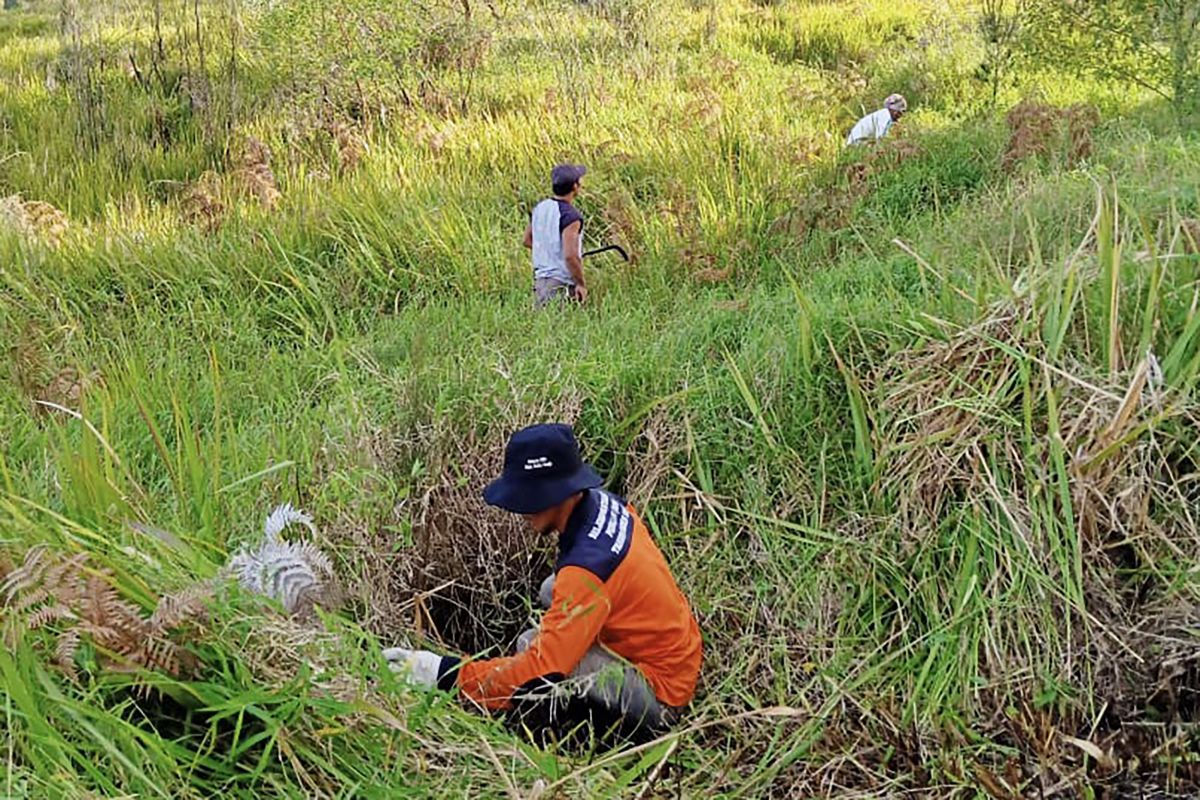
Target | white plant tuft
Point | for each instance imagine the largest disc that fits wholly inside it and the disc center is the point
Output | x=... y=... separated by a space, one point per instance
x=283 y=516
x=297 y=574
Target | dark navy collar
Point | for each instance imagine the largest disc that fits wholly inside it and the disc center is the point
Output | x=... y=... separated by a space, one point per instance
x=585 y=511
x=598 y=534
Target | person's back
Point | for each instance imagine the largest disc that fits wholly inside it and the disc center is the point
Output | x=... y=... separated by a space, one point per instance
x=550 y=217
x=875 y=126
x=872 y=127
x=618 y=646
x=648 y=620
x=555 y=236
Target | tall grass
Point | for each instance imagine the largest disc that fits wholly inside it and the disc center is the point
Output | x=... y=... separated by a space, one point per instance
x=915 y=427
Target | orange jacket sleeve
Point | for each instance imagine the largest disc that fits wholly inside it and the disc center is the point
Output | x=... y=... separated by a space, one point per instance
x=580 y=607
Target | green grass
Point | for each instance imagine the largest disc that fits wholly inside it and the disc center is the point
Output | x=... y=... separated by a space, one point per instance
x=880 y=455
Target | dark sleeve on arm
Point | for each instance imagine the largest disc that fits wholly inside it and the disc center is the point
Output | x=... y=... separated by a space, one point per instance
x=567 y=216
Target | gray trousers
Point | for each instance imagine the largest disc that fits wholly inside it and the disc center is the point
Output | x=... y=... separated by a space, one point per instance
x=547 y=290
x=605 y=679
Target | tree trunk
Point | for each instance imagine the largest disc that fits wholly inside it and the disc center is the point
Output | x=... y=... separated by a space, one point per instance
x=1184 y=22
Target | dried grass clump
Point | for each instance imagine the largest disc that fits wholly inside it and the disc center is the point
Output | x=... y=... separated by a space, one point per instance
x=35 y=376
x=66 y=388
x=80 y=604
x=277 y=649
x=620 y=218
x=253 y=175
x=931 y=439
x=1189 y=231
x=202 y=203
x=712 y=275
x=34 y=219
x=1038 y=129
x=467 y=572
x=205 y=202
x=950 y=412
x=832 y=207
x=972 y=421
x=350 y=143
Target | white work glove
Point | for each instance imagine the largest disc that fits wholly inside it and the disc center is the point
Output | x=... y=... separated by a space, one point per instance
x=418 y=667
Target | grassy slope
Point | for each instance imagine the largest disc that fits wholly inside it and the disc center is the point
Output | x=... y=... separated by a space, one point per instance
x=373 y=336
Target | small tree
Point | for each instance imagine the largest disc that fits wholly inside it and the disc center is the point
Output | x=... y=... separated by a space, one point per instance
x=1151 y=43
x=1000 y=23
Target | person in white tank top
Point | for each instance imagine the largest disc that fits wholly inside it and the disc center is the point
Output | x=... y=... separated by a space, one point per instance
x=874 y=126
x=555 y=237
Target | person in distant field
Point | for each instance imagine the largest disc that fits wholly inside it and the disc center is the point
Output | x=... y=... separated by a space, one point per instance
x=874 y=126
x=555 y=235
x=618 y=647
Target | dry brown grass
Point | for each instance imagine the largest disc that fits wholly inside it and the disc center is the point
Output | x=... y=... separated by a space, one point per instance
x=253 y=175
x=466 y=577
x=207 y=201
x=34 y=219
x=32 y=361
x=832 y=207
x=202 y=204
x=950 y=432
x=67 y=388
x=710 y=275
x=618 y=217
x=1189 y=231
x=350 y=144
x=1038 y=129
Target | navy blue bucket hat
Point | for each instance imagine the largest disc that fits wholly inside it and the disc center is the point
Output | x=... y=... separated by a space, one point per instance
x=542 y=468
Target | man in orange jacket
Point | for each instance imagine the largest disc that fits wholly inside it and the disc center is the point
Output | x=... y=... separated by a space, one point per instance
x=618 y=644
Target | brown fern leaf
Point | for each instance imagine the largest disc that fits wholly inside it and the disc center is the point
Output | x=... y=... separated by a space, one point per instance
x=65 y=650
x=47 y=614
x=29 y=599
x=160 y=655
x=104 y=637
x=183 y=606
x=27 y=575
x=98 y=601
x=64 y=580
x=87 y=605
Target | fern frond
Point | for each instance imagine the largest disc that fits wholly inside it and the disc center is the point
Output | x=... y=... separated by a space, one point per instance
x=65 y=650
x=314 y=557
x=30 y=598
x=47 y=614
x=284 y=516
x=99 y=601
x=159 y=654
x=175 y=609
x=25 y=576
x=103 y=636
x=180 y=607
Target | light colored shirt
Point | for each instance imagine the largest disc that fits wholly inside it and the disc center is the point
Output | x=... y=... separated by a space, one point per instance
x=550 y=218
x=873 y=126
